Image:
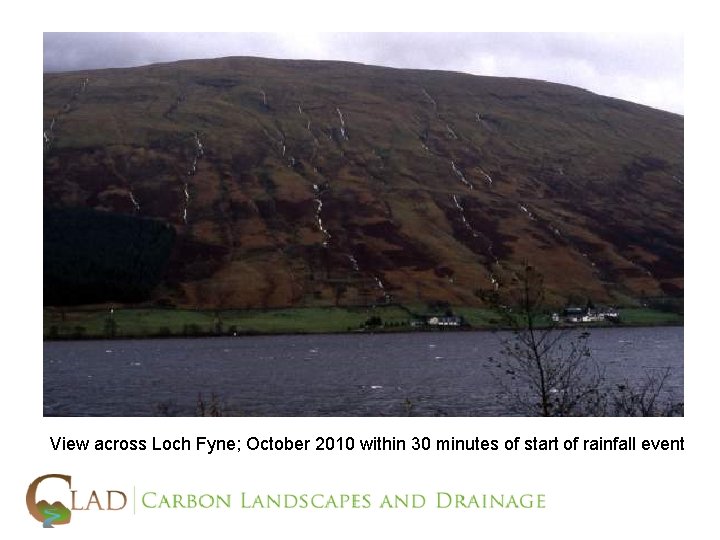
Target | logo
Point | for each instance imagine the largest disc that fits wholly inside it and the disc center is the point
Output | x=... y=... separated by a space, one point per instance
x=59 y=513
x=43 y=511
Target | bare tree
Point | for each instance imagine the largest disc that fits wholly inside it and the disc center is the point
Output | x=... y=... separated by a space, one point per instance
x=550 y=369
x=646 y=398
x=546 y=369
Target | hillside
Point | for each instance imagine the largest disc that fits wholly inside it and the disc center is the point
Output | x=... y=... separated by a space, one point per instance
x=292 y=183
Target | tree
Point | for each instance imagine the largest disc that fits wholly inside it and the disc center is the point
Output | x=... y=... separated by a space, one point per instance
x=644 y=399
x=548 y=370
x=110 y=325
x=551 y=370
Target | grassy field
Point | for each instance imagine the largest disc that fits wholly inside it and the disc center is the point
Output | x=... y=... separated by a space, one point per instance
x=177 y=322
x=650 y=317
x=153 y=322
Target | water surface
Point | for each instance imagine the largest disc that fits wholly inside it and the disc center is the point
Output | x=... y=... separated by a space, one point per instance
x=423 y=373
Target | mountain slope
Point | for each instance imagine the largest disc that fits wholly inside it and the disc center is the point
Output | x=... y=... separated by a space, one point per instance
x=304 y=182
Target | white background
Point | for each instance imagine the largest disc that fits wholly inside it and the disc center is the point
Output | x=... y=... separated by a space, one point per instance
x=589 y=495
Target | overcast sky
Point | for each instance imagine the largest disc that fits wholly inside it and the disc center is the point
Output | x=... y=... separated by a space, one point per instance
x=644 y=68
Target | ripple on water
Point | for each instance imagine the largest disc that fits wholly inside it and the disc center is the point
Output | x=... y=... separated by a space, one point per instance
x=267 y=376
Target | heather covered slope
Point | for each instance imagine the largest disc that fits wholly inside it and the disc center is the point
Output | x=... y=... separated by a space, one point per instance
x=320 y=183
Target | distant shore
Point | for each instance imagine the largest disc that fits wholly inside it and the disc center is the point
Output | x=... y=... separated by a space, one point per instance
x=93 y=322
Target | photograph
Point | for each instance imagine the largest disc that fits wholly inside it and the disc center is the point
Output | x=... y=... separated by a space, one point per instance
x=383 y=224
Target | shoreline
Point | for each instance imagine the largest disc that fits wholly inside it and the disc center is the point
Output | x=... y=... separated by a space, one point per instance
x=202 y=333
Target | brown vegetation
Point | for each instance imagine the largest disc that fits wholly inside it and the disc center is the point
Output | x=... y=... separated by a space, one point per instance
x=587 y=187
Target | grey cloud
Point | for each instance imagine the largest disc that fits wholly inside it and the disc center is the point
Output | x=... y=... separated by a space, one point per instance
x=76 y=51
x=646 y=68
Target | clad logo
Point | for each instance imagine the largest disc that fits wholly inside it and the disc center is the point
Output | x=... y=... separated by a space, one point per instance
x=59 y=513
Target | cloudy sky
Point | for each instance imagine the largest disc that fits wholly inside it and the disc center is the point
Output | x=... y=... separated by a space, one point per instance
x=644 y=68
